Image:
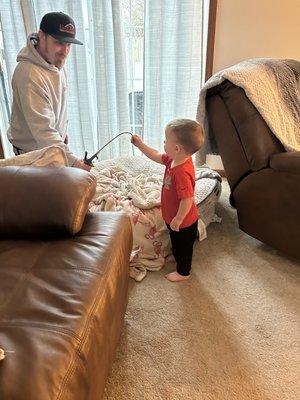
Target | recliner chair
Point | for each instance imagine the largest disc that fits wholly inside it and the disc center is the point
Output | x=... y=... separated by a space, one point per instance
x=264 y=178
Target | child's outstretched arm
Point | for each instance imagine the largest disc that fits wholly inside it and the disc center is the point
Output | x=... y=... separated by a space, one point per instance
x=153 y=154
x=184 y=207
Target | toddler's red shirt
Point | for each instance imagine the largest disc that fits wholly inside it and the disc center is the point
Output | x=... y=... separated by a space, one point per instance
x=178 y=184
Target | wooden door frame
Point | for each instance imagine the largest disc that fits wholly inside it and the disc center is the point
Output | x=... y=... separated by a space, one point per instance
x=213 y=5
x=210 y=47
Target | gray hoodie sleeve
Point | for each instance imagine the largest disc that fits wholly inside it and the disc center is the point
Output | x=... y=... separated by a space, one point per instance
x=36 y=104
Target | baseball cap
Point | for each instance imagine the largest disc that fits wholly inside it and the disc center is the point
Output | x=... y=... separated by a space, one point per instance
x=60 y=26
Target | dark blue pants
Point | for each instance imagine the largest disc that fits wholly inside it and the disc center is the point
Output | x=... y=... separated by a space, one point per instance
x=182 y=247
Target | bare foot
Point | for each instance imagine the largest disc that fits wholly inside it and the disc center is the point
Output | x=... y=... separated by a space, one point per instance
x=176 y=277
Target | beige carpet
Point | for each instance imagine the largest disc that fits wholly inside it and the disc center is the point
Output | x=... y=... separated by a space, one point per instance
x=231 y=332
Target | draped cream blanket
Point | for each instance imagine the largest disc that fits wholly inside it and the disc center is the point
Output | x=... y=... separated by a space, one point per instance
x=273 y=86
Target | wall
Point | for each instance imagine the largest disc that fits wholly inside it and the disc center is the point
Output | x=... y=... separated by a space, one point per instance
x=255 y=28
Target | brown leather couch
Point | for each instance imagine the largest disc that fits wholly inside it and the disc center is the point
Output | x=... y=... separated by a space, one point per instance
x=263 y=177
x=63 y=285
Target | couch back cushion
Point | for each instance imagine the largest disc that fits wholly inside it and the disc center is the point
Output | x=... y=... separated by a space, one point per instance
x=229 y=146
x=43 y=202
x=258 y=142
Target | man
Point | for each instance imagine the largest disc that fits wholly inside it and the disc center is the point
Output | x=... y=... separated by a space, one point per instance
x=40 y=90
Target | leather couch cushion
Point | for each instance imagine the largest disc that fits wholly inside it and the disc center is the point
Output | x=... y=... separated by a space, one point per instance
x=62 y=308
x=224 y=131
x=256 y=137
x=43 y=202
x=286 y=162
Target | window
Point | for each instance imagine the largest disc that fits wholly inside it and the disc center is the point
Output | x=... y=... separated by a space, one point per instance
x=4 y=102
x=141 y=66
x=133 y=20
x=3 y=78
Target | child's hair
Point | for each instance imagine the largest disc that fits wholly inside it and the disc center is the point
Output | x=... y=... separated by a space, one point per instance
x=189 y=134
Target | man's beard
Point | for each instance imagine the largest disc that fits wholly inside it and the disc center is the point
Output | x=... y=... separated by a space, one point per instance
x=57 y=61
x=60 y=63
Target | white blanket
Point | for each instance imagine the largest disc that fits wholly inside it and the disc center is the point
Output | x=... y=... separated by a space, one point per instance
x=273 y=86
x=51 y=156
x=114 y=186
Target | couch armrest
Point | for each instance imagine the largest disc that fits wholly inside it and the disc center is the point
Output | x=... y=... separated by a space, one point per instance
x=286 y=162
x=43 y=202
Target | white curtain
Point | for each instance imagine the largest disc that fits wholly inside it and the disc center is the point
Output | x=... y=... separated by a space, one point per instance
x=173 y=64
x=98 y=99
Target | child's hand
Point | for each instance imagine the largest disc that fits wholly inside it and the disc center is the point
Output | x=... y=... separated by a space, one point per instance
x=175 y=224
x=136 y=140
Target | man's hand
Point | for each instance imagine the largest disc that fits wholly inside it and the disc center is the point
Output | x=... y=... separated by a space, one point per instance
x=175 y=224
x=81 y=164
x=136 y=140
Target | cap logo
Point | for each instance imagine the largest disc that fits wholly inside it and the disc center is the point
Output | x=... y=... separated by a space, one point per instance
x=69 y=28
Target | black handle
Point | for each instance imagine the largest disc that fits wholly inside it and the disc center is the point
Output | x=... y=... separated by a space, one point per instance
x=88 y=161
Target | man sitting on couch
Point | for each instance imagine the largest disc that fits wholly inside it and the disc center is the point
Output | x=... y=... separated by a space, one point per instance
x=39 y=89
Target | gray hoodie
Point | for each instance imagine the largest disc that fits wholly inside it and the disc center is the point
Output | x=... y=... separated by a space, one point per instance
x=38 y=115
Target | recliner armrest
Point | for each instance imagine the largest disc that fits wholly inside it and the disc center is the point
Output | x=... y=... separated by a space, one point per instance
x=286 y=162
x=43 y=202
